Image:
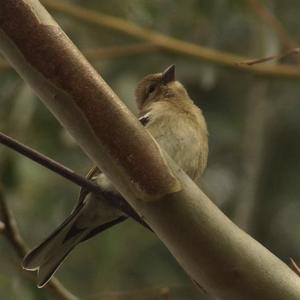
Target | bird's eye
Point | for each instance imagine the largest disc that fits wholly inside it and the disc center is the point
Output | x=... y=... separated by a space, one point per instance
x=151 y=88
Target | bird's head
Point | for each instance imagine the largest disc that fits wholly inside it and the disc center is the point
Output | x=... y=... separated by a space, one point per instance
x=160 y=86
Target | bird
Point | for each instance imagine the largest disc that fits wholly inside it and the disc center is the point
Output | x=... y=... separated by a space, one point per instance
x=178 y=126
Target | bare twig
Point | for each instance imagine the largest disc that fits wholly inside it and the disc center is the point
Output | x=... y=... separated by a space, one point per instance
x=171 y=44
x=114 y=200
x=57 y=289
x=49 y=163
x=252 y=62
x=11 y=231
x=14 y=237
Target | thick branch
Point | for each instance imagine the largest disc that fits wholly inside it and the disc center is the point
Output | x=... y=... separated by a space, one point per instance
x=78 y=91
x=218 y=255
x=172 y=44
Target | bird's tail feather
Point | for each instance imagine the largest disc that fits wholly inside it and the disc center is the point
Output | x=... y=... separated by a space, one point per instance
x=48 y=256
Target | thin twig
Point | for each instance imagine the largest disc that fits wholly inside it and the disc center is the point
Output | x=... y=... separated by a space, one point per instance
x=169 y=43
x=114 y=200
x=49 y=163
x=255 y=61
x=14 y=237
x=11 y=231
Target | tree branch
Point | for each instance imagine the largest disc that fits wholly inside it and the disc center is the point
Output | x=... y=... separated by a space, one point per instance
x=49 y=163
x=219 y=256
x=271 y=58
x=57 y=168
x=13 y=236
x=172 y=44
x=69 y=89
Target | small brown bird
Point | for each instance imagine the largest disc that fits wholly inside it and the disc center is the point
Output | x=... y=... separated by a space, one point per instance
x=178 y=126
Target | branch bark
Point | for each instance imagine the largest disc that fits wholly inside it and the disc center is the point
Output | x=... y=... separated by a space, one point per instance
x=215 y=253
x=67 y=84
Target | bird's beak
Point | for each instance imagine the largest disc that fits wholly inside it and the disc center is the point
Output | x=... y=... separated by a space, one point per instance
x=168 y=75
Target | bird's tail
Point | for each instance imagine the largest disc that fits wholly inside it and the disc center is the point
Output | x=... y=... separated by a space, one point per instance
x=49 y=255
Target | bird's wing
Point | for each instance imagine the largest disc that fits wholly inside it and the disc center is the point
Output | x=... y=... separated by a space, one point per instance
x=83 y=191
x=93 y=172
x=124 y=205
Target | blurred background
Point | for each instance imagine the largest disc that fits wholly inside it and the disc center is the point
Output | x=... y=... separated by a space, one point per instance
x=253 y=171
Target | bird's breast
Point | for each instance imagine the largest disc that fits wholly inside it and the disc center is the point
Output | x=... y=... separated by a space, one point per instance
x=181 y=138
